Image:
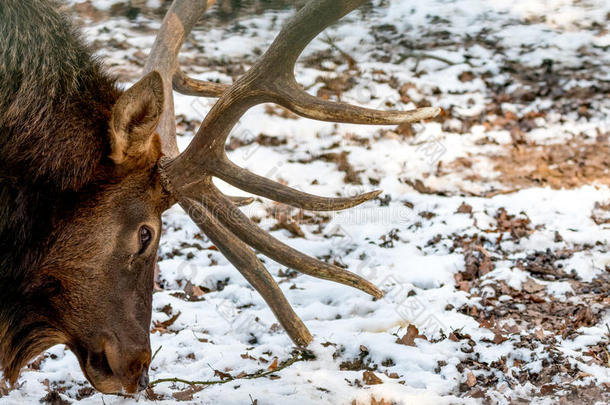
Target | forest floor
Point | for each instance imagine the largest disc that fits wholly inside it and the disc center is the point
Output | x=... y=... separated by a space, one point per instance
x=490 y=239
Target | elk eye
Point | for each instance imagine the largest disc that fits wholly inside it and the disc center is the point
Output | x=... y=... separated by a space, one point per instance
x=145 y=238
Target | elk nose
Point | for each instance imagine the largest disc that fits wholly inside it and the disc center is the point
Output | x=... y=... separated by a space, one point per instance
x=144 y=380
x=137 y=376
x=129 y=364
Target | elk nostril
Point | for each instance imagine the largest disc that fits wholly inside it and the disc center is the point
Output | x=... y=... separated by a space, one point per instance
x=99 y=362
x=144 y=380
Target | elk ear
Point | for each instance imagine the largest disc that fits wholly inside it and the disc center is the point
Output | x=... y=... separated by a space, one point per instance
x=135 y=117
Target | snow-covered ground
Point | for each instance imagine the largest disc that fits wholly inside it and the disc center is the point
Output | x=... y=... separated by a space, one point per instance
x=490 y=238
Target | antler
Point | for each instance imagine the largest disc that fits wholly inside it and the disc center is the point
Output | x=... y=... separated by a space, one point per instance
x=188 y=176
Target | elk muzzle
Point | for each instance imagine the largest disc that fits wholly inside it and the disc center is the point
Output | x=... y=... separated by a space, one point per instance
x=117 y=362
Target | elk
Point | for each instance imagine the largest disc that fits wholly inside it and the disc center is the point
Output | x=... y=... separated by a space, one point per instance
x=87 y=169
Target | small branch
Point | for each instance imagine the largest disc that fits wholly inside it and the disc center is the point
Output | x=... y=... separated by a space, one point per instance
x=297 y=357
x=420 y=187
x=420 y=55
x=156 y=352
x=350 y=61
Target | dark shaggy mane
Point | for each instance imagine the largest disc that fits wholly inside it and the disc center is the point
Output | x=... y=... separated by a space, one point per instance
x=55 y=100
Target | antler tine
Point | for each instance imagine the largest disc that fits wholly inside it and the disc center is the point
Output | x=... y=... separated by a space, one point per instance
x=244 y=259
x=163 y=57
x=184 y=84
x=294 y=98
x=177 y=24
x=241 y=226
x=253 y=183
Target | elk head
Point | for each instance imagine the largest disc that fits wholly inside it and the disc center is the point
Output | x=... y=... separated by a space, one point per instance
x=93 y=288
x=109 y=276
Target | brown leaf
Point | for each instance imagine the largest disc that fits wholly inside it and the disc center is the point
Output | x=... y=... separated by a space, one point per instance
x=192 y=291
x=409 y=338
x=161 y=327
x=477 y=262
x=456 y=336
x=471 y=380
x=464 y=286
x=405 y=130
x=352 y=175
x=532 y=287
x=382 y=401
x=35 y=365
x=291 y=227
x=273 y=365
x=246 y=356
x=186 y=395
x=149 y=394
x=53 y=398
x=466 y=76
x=601 y=213
x=488 y=323
x=518 y=227
x=222 y=375
x=419 y=186
x=403 y=91
x=370 y=378
x=464 y=209
x=498 y=338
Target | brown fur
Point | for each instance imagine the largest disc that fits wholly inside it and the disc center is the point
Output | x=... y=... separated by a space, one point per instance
x=74 y=193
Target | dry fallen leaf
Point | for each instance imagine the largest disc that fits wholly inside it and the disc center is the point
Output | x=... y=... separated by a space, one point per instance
x=464 y=209
x=532 y=287
x=466 y=76
x=161 y=327
x=223 y=376
x=273 y=365
x=382 y=401
x=186 y=395
x=409 y=338
x=192 y=291
x=471 y=380
x=370 y=378
x=498 y=338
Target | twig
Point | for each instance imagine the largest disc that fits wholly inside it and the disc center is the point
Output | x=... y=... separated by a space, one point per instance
x=299 y=356
x=156 y=352
x=350 y=61
x=419 y=186
x=420 y=55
